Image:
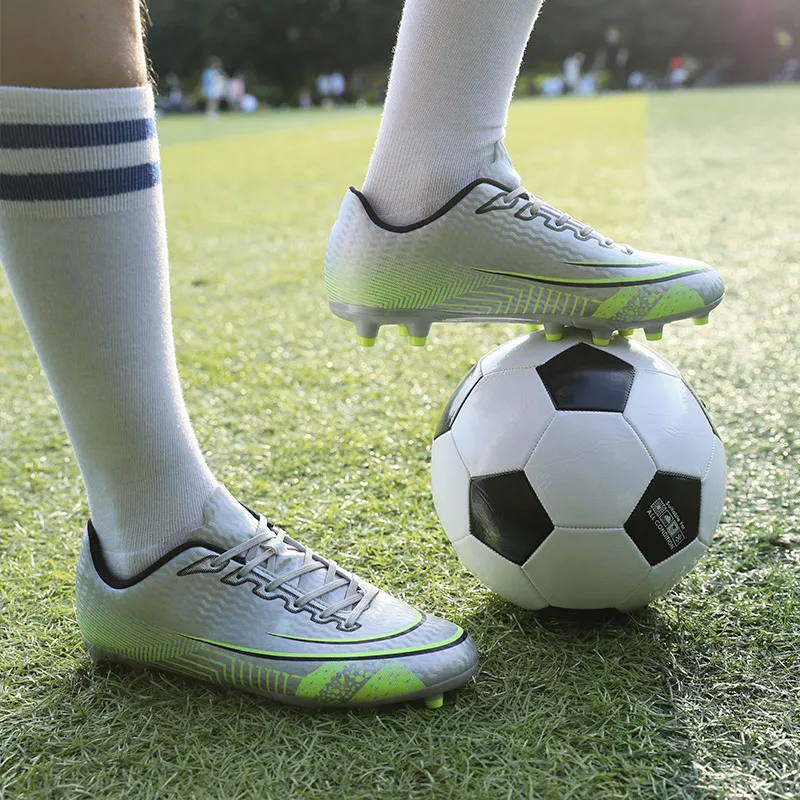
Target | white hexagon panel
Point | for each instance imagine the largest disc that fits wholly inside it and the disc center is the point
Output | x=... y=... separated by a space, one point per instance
x=586 y=568
x=641 y=357
x=671 y=423
x=450 y=484
x=712 y=493
x=528 y=351
x=502 y=576
x=589 y=469
x=662 y=577
x=501 y=421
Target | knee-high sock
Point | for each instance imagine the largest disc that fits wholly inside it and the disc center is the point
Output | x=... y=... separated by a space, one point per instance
x=83 y=242
x=451 y=83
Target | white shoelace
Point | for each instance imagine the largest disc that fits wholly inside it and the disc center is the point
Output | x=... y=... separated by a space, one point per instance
x=270 y=542
x=535 y=204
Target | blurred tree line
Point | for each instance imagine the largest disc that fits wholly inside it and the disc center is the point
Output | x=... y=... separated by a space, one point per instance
x=285 y=43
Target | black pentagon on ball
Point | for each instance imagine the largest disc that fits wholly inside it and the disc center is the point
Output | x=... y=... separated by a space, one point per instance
x=583 y=378
x=457 y=399
x=506 y=515
x=667 y=517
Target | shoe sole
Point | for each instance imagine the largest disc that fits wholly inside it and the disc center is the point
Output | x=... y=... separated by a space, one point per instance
x=432 y=696
x=416 y=325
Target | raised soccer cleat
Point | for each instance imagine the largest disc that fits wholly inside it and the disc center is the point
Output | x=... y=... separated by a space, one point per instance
x=243 y=605
x=498 y=253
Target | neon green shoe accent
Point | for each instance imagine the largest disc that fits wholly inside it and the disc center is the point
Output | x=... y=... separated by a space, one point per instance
x=398 y=651
x=596 y=340
x=417 y=341
x=533 y=328
x=134 y=640
x=700 y=320
x=390 y=681
x=632 y=303
x=653 y=336
x=402 y=330
x=434 y=702
x=336 y=684
x=405 y=628
x=366 y=341
x=422 y=289
x=679 y=299
x=333 y=683
x=625 y=331
x=554 y=337
x=627 y=303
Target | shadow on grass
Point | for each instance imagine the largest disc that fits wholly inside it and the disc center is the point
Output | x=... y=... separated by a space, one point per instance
x=601 y=683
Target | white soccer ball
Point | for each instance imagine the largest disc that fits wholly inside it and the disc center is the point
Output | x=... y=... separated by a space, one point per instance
x=578 y=477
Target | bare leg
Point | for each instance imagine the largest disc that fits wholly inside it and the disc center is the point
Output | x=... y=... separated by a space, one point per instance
x=80 y=44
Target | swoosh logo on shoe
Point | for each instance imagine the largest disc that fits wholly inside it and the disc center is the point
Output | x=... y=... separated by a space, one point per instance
x=668 y=275
x=413 y=625
x=457 y=637
x=613 y=263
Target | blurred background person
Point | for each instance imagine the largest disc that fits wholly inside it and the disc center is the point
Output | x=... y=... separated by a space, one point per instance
x=573 y=64
x=324 y=90
x=235 y=91
x=212 y=86
x=677 y=73
x=337 y=85
x=613 y=58
x=175 y=96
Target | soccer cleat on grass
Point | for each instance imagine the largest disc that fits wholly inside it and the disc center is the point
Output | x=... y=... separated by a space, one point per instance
x=243 y=605
x=496 y=253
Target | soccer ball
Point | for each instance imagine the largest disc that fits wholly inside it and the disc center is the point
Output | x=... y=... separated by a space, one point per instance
x=577 y=477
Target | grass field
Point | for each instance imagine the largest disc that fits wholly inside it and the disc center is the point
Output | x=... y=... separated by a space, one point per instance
x=698 y=697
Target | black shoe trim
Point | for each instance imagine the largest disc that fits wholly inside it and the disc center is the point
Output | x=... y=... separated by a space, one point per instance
x=436 y=214
x=344 y=657
x=595 y=284
x=422 y=621
x=114 y=581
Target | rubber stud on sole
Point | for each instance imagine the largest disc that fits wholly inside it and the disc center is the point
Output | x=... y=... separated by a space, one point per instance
x=553 y=332
x=434 y=702
x=625 y=331
x=653 y=336
x=402 y=330
x=600 y=342
x=366 y=332
x=418 y=331
x=700 y=320
x=533 y=328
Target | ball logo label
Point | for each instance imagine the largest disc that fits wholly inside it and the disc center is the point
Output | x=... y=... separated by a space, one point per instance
x=667 y=521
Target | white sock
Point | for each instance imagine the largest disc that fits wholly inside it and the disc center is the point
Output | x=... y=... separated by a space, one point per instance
x=452 y=79
x=83 y=243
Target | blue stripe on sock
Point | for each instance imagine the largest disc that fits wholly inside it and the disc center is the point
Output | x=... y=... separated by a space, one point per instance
x=38 y=137
x=79 y=185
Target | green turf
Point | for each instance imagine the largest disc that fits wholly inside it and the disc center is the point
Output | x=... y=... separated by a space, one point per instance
x=696 y=698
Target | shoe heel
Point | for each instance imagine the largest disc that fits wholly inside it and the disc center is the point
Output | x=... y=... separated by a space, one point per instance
x=97 y=654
